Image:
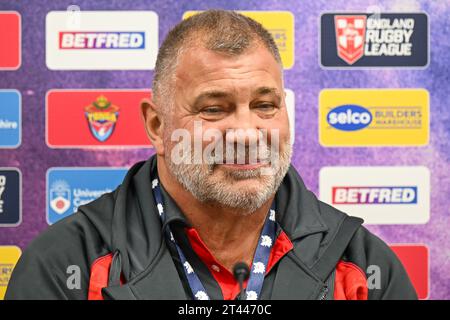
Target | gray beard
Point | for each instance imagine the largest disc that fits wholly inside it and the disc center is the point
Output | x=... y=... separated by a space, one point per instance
x=197 y=179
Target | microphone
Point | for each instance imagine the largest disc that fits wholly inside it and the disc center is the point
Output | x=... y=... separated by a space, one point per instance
x=241 y=272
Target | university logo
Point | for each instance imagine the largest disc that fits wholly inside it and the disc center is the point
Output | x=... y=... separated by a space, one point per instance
x=70 y=188
x=379 y=195
x=374 y=40
x=10 y=40
x=350 y=33
x=101 y=40
x=10 y=197
x=10 y=118
x=374 y=117
x=102 y=116
x=60 y=195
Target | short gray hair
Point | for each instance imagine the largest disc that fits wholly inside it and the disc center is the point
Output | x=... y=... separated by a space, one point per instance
x=217 y=30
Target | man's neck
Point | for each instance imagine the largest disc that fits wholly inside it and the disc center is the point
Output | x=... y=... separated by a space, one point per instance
x=230 y=236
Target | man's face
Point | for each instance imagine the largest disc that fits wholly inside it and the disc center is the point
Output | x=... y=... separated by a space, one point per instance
x=228 y=93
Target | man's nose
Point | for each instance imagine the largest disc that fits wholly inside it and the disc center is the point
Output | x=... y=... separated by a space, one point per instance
x=243 y=126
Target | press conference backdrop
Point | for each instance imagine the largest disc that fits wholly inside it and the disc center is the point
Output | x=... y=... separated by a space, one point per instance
x=367 y=95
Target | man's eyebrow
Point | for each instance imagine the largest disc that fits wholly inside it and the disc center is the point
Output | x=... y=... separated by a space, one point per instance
x=266 y=90
x=211 y=94
x=223 y=94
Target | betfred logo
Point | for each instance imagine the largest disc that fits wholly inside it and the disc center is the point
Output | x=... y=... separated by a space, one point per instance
x=374 y=117
x=379 y=195
x=95 y=118
x=10 y=40
x=350 y=33
x=374 y=40
x=101 y=40
x=416 y=260
x=374 y=195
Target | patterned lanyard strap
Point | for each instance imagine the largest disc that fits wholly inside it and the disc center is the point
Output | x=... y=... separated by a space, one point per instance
x=260 y=260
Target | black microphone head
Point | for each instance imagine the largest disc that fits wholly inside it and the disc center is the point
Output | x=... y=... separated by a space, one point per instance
x=241 y=271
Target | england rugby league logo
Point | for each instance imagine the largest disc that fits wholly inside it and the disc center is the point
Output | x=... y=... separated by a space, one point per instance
x=350 y=37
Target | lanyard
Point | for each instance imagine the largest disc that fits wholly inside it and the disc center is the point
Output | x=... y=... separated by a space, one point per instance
x=260 y=260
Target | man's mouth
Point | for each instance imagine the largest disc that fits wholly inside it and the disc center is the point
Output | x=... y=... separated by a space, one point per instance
x=247 y=164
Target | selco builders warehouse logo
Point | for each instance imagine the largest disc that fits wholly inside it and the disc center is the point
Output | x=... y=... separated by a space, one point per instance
x=69 y=188
x=280 y=25
x=10 y=118
x=10 y=197
x=9 y=255
x=373 y=117
x=379 y=195
x=374 y=40
x=10 y=40
x=95 y=118
x=101 y=40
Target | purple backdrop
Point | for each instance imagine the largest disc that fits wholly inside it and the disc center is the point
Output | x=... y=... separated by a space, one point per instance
x=306 y=79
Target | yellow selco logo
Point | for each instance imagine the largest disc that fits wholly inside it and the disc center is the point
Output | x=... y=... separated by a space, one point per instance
x=280 y=24
x=9 y=255
x=373 y=117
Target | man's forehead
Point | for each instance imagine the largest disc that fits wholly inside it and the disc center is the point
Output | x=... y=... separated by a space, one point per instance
x=198 y=61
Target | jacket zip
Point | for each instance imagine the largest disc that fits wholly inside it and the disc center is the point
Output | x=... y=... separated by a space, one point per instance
x=323 y=293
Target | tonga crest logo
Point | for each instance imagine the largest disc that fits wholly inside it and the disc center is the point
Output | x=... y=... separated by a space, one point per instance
x=60 y=196
x=350 y=37
x=102 y=117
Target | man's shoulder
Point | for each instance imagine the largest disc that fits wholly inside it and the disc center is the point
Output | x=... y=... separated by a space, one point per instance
x=84 y=235
x=70 y=245
x=364 y=246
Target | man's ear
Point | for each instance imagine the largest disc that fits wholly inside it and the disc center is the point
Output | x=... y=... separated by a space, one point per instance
x=153 y=125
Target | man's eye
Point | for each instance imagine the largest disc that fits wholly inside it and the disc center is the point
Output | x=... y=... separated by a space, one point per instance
x=266 y=107
x=212 y=110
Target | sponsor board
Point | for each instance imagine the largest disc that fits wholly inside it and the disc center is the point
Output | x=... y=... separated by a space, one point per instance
x=95 y=118
x=416 y=260
x=379 y=195
x=9 y=255
x=10 y=197
x=70 y=188
x=374 y=117
x=362 y=40
x=10 y=40
x=280 y=24
x=101 y=40
x=10 y=118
